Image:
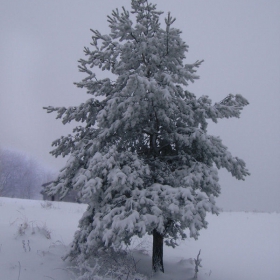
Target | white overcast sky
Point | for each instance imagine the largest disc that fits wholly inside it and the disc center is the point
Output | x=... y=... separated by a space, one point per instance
x=239 y=40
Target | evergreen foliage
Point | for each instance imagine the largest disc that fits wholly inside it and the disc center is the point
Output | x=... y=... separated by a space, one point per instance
x=142 y=159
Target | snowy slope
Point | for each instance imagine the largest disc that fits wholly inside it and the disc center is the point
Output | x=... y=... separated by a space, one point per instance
x=236 y=246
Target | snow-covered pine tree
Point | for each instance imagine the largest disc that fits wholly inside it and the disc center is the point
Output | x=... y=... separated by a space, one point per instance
x=142 y=159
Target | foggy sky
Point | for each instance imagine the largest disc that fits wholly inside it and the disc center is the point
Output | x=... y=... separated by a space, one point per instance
x=239 y=40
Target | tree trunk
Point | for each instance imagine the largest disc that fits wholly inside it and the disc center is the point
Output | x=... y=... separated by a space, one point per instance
x=157 y=251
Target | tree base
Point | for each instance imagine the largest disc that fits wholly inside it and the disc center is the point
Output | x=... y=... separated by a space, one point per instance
x=157 y=251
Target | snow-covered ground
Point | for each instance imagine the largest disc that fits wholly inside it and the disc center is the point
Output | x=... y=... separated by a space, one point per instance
x=236 y=246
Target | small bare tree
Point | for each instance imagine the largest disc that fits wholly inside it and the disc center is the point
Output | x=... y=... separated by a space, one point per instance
x=197 y=263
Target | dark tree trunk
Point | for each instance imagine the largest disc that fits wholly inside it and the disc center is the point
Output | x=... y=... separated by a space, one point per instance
x=157 y=251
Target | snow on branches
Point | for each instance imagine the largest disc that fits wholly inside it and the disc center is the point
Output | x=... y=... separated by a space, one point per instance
x=142 y=159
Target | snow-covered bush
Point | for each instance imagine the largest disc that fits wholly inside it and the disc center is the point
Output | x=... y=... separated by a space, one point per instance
x=108 y=265
x=47 y=205
x=26 y=227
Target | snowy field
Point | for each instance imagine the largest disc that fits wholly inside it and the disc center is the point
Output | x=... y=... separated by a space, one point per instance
x=236 y=246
